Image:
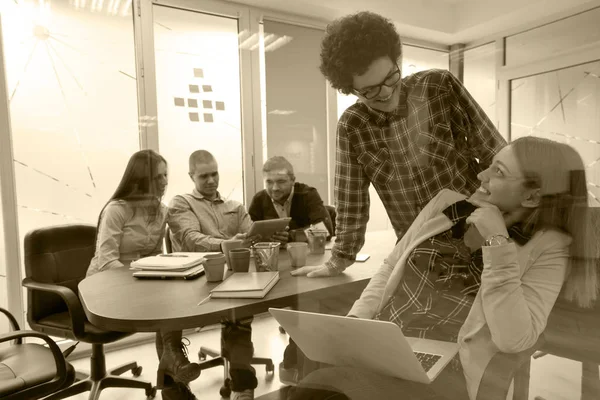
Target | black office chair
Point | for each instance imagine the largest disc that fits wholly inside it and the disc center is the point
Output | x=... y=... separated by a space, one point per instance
x=216 y=358
x=56 y=260
x=30 y=370
x=332 y=216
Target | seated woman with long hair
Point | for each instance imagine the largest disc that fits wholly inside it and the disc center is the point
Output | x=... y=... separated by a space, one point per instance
x=484 y=271
x=132 y=225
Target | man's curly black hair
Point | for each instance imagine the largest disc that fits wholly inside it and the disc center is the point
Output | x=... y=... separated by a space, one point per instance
x=352 y=43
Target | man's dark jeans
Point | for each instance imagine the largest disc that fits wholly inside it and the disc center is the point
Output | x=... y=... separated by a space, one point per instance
x=237 y=348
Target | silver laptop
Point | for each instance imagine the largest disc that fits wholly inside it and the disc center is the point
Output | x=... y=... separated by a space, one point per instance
x=189 y=273
x=378 y=346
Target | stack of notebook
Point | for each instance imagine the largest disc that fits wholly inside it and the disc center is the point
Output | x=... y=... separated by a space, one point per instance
x=246 y=285
x=170 y=266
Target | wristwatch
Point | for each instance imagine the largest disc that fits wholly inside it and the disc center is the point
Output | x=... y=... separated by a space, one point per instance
x=497 y=240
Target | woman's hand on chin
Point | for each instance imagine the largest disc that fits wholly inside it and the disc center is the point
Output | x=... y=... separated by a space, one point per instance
x=487 y=218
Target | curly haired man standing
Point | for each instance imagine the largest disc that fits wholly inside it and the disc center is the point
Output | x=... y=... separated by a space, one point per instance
x=408 y=137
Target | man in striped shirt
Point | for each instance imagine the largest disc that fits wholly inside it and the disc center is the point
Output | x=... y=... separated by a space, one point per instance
x=408 y=137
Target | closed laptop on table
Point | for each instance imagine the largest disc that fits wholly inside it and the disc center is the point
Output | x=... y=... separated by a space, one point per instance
x=188 y=273
x=181 y=265
x=172 y=261
x=378 y=346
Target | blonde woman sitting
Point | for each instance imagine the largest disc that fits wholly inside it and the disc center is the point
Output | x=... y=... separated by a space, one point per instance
x=484 y=271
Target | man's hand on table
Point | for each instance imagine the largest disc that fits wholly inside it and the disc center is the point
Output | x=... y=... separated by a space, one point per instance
x=314 y=271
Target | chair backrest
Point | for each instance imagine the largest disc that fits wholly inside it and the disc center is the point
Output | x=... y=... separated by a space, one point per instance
x=332 y=216
x=57 y=255
x=573 y=332
x=168 y=243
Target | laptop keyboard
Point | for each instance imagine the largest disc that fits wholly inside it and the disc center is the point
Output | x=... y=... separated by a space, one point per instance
x=427 y=360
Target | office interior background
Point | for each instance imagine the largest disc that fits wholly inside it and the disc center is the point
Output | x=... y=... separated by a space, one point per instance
x=85 y=83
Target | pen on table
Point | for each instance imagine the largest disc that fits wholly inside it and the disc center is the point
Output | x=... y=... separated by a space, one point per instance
x=173 y=255
x=207 y=298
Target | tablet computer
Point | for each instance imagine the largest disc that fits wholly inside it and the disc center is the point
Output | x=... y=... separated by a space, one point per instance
x=268 y=227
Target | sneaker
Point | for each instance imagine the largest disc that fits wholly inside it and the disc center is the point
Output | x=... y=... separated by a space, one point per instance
x=247 y=394
x=288 y=376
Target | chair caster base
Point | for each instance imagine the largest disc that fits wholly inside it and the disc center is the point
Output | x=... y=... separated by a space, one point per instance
x=151 y=393
x=225 y=390
x=136 y=372
x=270 y=368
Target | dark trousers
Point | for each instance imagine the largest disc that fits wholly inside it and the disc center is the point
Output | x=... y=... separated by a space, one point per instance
x=237 y=348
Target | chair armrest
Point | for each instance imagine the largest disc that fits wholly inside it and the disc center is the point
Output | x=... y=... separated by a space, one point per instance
x=13 y=323
x=69 y=297
x=501 y=371
x=59 y=359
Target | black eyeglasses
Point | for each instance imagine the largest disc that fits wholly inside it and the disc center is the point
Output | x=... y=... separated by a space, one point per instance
x=373 y=91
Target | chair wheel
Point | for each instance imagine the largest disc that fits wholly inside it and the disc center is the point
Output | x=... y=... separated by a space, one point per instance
x=201 y=356
x=281 y=330
x=225 y=391
x=151 y=393
x=137 y=371
x=270 y=368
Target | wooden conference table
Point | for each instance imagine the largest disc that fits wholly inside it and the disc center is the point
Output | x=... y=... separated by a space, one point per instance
x=115 y=300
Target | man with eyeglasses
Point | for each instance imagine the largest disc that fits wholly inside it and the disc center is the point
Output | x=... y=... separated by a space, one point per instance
x=408 y=137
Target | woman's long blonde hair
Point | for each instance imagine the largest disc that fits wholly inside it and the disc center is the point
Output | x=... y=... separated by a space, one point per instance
x=558 y=171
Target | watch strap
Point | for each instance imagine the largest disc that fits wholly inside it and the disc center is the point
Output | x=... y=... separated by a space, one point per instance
x=497 y=240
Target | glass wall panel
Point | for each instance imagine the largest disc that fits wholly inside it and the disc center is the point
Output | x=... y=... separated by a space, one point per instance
x=198 y=96
x=562 y=105
x=71 y=80
x=414 y=59
x=4 y=324
x=296 y=106
x=480 y=77
x=566 y=35
x=2 y=250
x=3 y=291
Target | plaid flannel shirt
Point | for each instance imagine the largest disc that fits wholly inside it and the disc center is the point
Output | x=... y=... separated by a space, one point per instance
x=438 y=137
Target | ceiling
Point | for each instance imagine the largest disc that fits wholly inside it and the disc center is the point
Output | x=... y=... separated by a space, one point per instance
x=440 y=21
